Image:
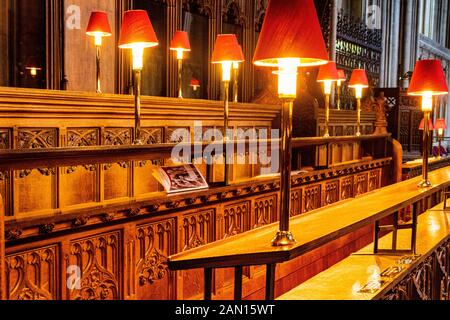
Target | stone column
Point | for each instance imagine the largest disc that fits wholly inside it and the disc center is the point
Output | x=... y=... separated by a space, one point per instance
x=391 y=39
x=410 y=32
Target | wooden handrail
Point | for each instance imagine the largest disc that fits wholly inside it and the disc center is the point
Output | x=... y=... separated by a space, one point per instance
x=59 y=157
x=311 y=230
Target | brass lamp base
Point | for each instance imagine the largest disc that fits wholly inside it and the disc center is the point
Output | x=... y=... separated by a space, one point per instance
x=283 y=238
x=425 y=184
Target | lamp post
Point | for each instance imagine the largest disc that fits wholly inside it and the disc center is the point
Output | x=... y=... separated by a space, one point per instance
x=327 y=74
x=236 y=76
x=98 y=27
x=180 y=44
x=290 y=38
x=440 y=126
x=342 y=78
x=226 y=52
x=137 y=34
x=428 y=80
x=358 y=81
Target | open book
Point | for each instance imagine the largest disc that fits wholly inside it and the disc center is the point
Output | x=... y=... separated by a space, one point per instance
x=181 y=178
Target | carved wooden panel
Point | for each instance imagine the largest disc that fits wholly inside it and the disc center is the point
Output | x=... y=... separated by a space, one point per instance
x=98 y=258
x=312 y=198
x=81 y=180
x=155 y=242
x=5 y=143
x=265 y=211
x=152 y=135
x=144 y=182
x=177 y=134
x=35 y=138
x=42 y=181
x=361 y=184
x=296 y=201
x=331 y=193
x=33 y=275
x=198 y=229
x=346 y=188
x=374 y=180
x=236 y=219
x=116 y=175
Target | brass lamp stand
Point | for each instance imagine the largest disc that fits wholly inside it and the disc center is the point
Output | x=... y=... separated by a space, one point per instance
x=137 y=106
x=97 y=62
x=226 y=87
x=425 y=183
x=235 y=84
x=284 y=237
x=339 y=89
x=358 y=124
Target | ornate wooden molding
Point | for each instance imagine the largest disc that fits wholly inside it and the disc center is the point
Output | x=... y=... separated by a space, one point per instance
x=94 y=216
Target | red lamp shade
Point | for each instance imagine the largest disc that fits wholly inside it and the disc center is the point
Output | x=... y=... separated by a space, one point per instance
x=241 y=54
x=195 y=83
x=137 y=29
x=428 y=77
x=342 y=76
x=180 y=41
x=328 y=72
x=98 y=24
x=359 y=79
x=227 y=49
x=291 y=29
x=430 y=125
x=440 y=124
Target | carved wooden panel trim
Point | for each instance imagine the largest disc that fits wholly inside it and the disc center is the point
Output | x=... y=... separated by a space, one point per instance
x=98 y=258
x=347 y=188
x=312 y=198
x=152 y=135
x=117 y=136
x=172 y=134
x=361 y=184
x=37 y=138
x=374 y=180
x=236 y=219
x=296 y=202
x=198 y=229
x=32 y=275
x=331 y=194
x=156 y=242
x=82 y=137
x=264 y=211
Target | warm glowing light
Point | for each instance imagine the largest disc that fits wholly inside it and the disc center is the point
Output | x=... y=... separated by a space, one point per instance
x=339 y=83
x=358 y=92
x=33 y=70
x=287 y=77
x=138 y=56
x=226 y=70
x=441 y=132
x=427 y=101
x=180 y=54
x=327 y=86
x=98 y=39
x=235 y=65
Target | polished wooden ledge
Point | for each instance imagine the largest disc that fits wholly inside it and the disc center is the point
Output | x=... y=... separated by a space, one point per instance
x=311 y=230
x=343 y=281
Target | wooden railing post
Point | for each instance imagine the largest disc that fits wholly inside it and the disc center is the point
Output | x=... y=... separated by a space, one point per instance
x=2 y=252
